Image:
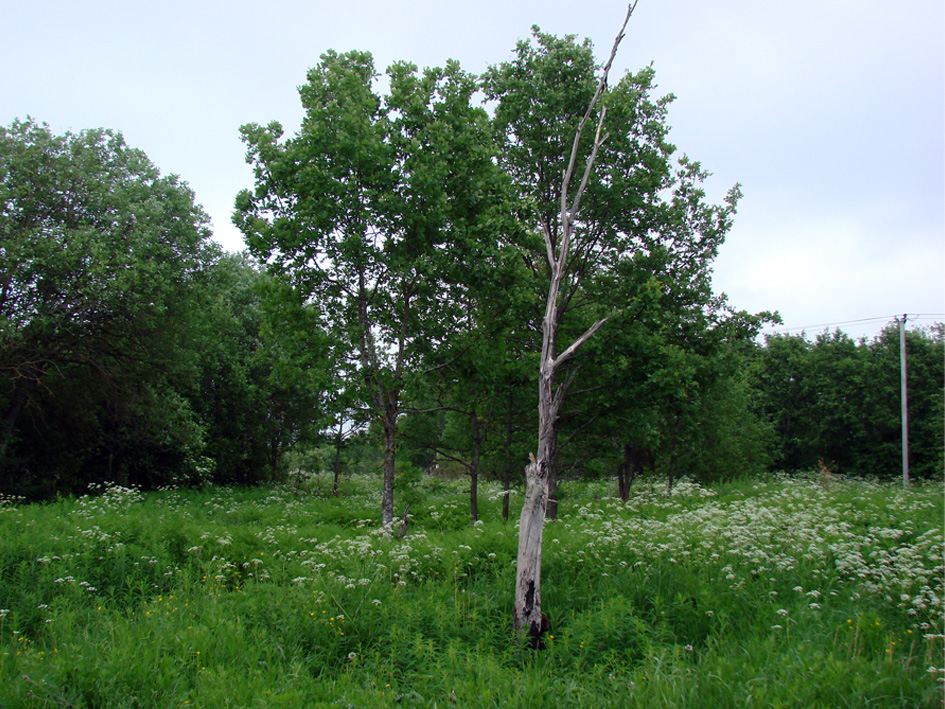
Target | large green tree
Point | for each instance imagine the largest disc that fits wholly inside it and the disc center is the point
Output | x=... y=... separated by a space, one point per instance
x=263 y=359
x=606 y=202
x=382 y=209
x=98 y=255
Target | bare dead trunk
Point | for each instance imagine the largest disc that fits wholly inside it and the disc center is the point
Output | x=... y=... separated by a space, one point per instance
x=551 y=508
x=528 y=572
x=527 y=616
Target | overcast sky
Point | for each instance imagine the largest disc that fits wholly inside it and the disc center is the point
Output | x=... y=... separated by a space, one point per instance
x=830 y=113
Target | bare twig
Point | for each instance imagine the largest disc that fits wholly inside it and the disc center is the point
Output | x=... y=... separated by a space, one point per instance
x=601 y=85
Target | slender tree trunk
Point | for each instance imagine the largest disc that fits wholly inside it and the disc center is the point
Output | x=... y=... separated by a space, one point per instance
x=629 y=469
x=623 y=476
x=386 y=397
x=527 y=616
x=338 y=441
x=389 y=424
x=673 y=437
x=507 y=481
x=474 y=467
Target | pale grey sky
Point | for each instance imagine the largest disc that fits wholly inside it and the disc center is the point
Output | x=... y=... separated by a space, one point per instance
x=830 y=113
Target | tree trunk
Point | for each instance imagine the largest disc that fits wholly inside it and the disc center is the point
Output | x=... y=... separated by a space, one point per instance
x=623 y=477
x=389 y=423
x=551 y=508
x=474 y=467
x=673 y=451
x=527 y=614
x=507 y=481
x=527 y=617
x=634 y=459
x=338 y=441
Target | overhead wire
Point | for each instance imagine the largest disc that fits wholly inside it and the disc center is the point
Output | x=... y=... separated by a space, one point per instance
x=884 y=318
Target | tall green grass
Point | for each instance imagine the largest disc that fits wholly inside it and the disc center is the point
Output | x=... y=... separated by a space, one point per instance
x=771 y=592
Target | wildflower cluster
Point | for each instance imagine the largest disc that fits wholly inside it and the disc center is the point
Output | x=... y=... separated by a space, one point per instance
x=784 y=531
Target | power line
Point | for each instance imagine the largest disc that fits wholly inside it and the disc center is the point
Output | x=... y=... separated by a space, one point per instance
x=862 y=321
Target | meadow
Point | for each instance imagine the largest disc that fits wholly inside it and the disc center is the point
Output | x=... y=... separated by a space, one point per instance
x=769 y=592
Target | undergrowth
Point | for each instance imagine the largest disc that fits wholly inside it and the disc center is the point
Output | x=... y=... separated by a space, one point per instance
x=769 y=592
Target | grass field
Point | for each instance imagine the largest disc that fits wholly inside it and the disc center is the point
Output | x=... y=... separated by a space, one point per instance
x=774 y=592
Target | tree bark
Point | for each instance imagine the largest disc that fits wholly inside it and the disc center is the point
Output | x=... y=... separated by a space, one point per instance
x=552 y=506
x=634 y=460
x=623 y=478
x=527 y=615
x=389 y=424
x=474 y=467
x=338 y=441
x=386 y=396
x=507 y=481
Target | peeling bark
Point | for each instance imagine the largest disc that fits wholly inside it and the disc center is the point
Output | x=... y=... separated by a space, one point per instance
x=528 y=577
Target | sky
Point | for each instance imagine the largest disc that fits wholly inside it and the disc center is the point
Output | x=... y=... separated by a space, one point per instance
x=829 y=113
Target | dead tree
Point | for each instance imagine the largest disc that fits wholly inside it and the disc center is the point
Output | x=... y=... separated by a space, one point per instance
x=527 y=614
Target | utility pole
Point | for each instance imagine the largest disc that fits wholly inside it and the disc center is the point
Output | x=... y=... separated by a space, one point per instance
x=905 y=400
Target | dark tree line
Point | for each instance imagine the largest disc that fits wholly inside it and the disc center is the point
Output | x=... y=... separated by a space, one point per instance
x=835 y=401
x=131 y=349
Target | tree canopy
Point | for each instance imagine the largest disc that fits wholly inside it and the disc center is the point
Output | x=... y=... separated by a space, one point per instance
x=98 y=255
x=131 y=350
x=383 y=210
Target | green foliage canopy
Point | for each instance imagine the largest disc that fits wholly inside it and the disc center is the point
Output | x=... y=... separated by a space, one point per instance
x=382 y=210
x=99 y=254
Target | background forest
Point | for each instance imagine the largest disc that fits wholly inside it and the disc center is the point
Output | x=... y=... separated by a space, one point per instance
x=387 y=314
